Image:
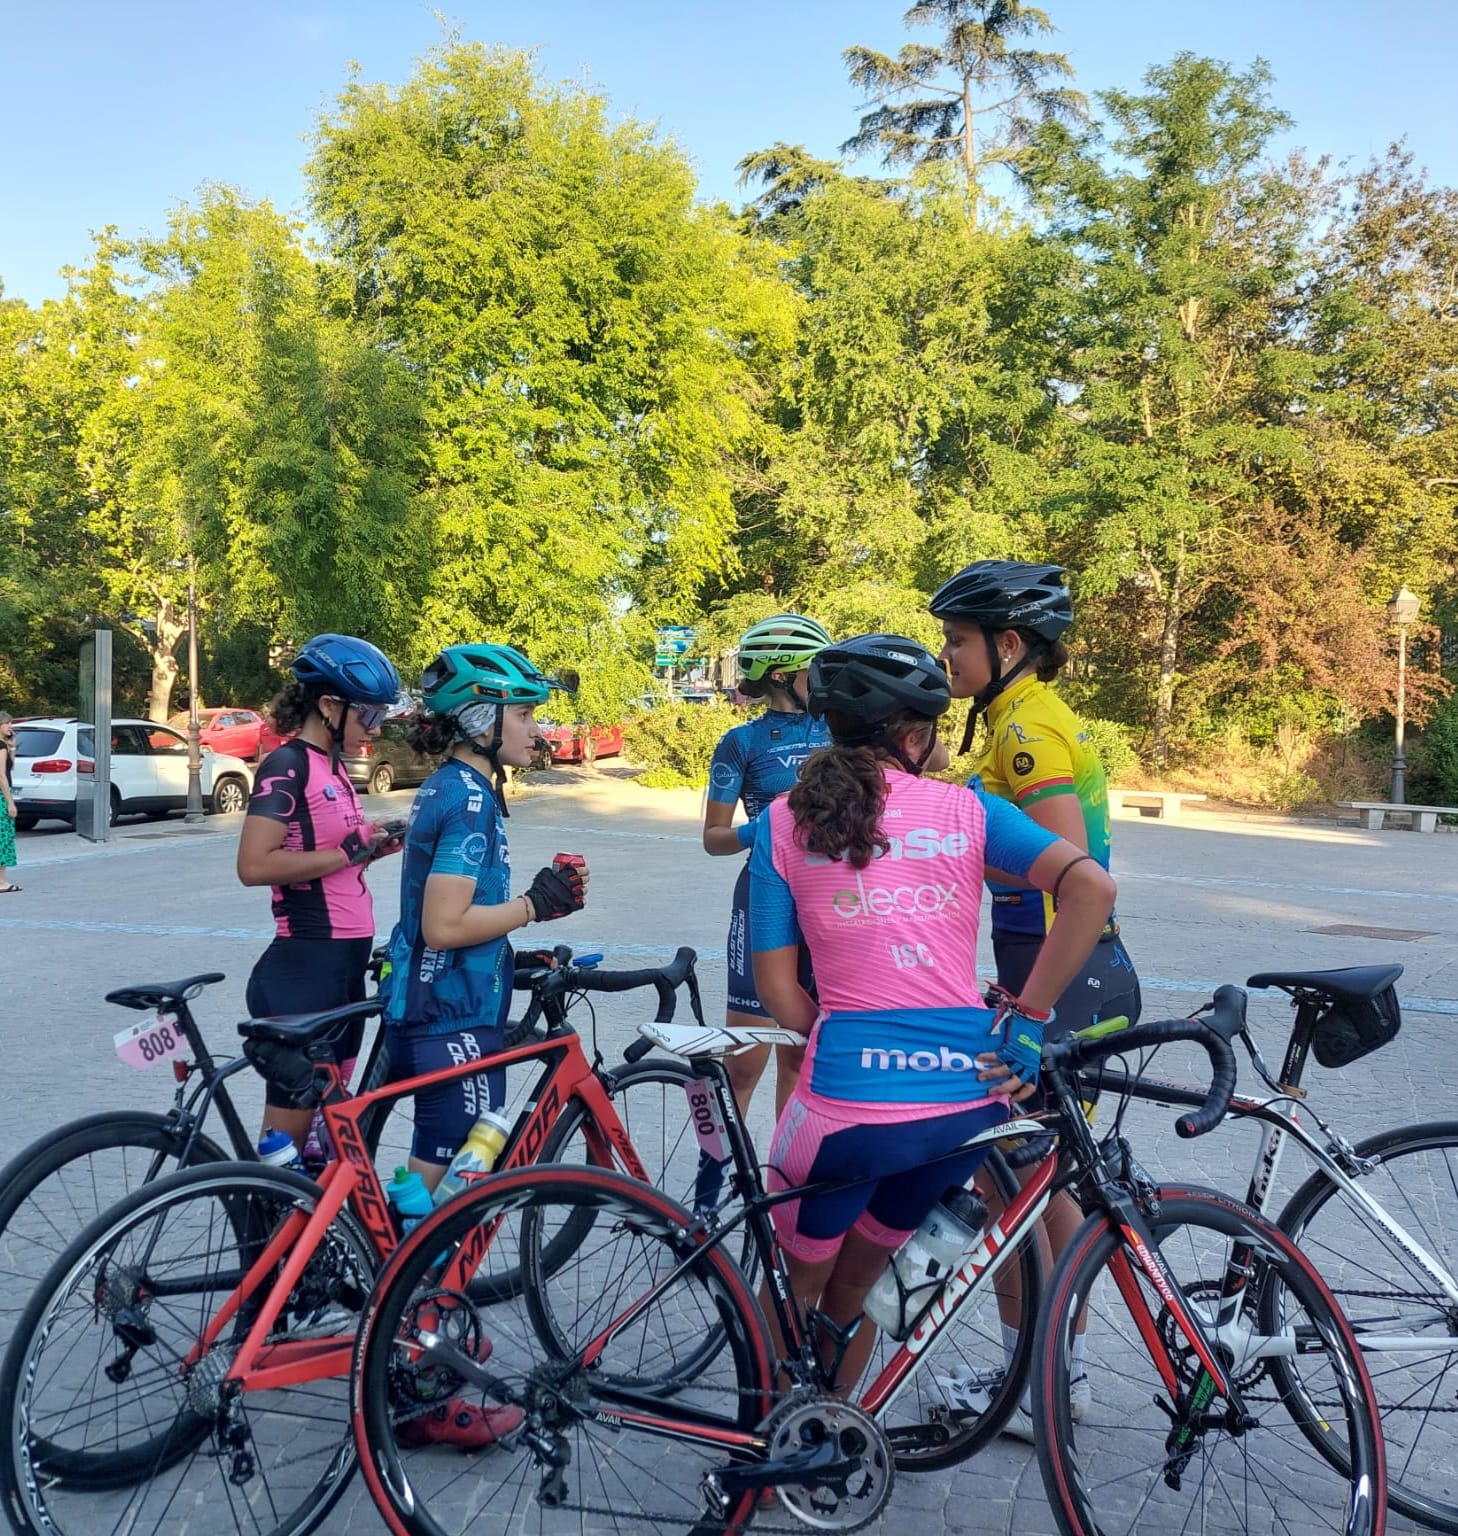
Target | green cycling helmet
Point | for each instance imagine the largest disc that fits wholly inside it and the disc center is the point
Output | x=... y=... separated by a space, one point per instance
x=483 y=674
x=787 y=640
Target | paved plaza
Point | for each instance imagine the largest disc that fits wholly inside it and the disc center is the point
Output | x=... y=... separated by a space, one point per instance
x=1204 y=901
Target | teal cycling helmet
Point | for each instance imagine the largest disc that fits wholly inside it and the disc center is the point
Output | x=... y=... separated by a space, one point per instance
x=483 y=674
x=350 y=668
x=785 y=640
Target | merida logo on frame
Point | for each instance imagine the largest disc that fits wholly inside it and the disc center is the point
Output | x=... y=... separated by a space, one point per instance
x=929 y=900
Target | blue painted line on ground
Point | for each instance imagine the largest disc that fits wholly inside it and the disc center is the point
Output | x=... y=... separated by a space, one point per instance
x=1245 y=882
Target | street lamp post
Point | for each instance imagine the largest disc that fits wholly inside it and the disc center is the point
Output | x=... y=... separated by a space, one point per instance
x=1402 y=610
x=194 y=810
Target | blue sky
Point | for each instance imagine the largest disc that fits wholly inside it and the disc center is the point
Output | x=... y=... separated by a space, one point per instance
x=112 y=113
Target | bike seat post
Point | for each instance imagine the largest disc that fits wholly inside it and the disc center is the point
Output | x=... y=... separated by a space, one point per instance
x=193 y=1035
x=1308 y=1009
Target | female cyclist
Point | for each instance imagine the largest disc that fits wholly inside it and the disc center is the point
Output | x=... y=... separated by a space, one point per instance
x=306 y=836
x=879 y=871
x=1003 y=623
x=754 y=763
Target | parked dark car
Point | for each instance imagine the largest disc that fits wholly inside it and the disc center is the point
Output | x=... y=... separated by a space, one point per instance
x=389 y=762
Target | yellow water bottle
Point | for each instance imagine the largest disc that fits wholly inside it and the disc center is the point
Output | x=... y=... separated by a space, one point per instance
x=477 y=1156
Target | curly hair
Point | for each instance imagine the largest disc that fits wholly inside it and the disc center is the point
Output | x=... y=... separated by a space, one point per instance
x=837 y=804
x=434 y=735
x=294 y=706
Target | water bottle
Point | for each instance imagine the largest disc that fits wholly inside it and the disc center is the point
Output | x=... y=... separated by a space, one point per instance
x=918 y=1268
x=477 y=1155
x=277 y=1149
x=409 y=1199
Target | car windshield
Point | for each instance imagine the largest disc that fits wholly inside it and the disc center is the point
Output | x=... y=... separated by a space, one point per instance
x=36 y=740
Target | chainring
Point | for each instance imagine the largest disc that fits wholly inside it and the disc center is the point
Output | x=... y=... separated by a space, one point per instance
x=1183 y=1356
x=846 y=1502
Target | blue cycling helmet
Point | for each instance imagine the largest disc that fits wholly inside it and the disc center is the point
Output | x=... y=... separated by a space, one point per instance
x=349 y=668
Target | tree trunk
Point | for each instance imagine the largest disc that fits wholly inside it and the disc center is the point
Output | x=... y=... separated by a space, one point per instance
x=171 y=627
x=1169 y=650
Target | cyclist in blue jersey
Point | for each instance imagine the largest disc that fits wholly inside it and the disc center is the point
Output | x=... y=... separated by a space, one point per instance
x=449 y=984
x=755 y=763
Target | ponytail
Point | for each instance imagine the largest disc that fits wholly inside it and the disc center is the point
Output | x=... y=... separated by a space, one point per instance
x=837 y=805
x=1051 y=662
x=433 y=735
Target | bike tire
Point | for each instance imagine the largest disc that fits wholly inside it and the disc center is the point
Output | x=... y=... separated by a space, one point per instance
x=610 y=1465
x=927 y=1430
x=89 y=1161
x=1116 y=1468
x=1381 y=1289
x=151 y=1438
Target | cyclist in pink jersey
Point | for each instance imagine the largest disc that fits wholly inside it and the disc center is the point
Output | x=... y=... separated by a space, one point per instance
x=306 y=836
x=879 y=871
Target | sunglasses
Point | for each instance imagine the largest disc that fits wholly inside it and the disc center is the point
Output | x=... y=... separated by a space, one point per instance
x=370 y=716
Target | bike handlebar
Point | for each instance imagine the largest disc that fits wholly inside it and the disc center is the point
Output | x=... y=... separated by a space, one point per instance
x=564 y=976
x=1214 y=1033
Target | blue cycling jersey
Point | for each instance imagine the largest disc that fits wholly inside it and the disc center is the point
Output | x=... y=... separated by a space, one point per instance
x=455 y=829
x=761 y=759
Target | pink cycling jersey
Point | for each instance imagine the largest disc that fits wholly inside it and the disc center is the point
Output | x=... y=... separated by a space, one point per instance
x=894 y=947
x=318 y=808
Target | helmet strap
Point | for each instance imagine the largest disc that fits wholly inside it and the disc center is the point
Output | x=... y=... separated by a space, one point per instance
x=493 y=761
x=880 y=740
x=1001 y=681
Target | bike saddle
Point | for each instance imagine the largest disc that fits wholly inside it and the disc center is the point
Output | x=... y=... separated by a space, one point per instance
x=305 y=1028
x=1352 y=984
x=156 y=994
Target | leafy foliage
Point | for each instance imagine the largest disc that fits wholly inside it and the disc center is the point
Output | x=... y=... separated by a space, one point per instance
x=676 y=741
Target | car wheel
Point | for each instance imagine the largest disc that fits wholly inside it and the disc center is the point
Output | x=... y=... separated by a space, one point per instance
x=382 y=780
x=26 y=823
x=115 y=805
x=230 y=795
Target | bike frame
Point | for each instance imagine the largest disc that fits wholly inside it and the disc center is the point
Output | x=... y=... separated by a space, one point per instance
x=1280 y=1118
x=979 y=1270
x=350 y=1179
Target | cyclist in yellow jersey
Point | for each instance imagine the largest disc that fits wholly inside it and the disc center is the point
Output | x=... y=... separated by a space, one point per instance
x=1003 y=623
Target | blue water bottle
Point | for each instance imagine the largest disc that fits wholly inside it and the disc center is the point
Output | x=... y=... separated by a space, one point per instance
x=410 y=1200
x=277 y=1149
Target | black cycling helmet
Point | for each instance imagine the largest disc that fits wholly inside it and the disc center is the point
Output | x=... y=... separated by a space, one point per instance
x=872 y=678
x=1008 y=594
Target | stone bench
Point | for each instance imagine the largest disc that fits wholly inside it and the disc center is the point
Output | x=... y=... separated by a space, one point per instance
x=1166 y=804
x=1422 y=818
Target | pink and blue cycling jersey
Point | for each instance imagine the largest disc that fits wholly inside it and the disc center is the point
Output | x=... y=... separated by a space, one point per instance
x=318 y=808
x=894 y=947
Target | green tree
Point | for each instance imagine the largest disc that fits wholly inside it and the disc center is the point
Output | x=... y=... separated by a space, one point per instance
x=930 y=98
x=581 y=332
x=1190 y=257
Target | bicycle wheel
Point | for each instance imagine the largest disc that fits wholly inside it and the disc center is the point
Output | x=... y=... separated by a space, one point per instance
x=61 y=1183
x=578 y=1460
x=117 y=1426
x=1147 y=1453
x=964 y=1388
x=1406 y=1324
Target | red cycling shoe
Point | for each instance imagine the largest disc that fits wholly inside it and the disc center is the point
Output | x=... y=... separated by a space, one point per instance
x=461 y=1424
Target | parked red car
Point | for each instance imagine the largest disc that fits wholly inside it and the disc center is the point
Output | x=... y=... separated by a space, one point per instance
x=581 y=743
x=238 y=732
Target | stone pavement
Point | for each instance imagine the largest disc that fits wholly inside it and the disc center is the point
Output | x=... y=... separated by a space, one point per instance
x=1207 y=900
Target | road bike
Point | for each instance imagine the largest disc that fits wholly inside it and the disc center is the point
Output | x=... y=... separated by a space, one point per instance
x=1378 y=1218
x=192 y=1345
x=628 y=1422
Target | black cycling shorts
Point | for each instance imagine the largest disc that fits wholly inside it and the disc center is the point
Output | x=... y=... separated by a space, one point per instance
x=743 y=998
x=1105 y=988
x=310 y=976
x=444 y=1115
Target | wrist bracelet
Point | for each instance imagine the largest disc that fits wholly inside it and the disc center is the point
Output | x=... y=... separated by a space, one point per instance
x=531 y=911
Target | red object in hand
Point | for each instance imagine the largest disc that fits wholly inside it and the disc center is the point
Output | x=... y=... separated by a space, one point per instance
x=568 y=861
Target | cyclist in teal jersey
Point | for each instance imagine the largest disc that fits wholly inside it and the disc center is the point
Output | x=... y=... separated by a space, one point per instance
x=755 y=763
x=1003 y=623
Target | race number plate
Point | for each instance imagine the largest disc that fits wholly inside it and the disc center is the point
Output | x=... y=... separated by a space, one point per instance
x=708 y=1122
x=151 y=1042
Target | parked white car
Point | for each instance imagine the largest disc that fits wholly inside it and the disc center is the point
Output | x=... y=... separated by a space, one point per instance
x=148 y=770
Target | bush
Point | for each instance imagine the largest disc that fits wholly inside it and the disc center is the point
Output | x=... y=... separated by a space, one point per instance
x=1284 y=791
x=674 y=742
x=1435 y=759
x=1111 y=741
